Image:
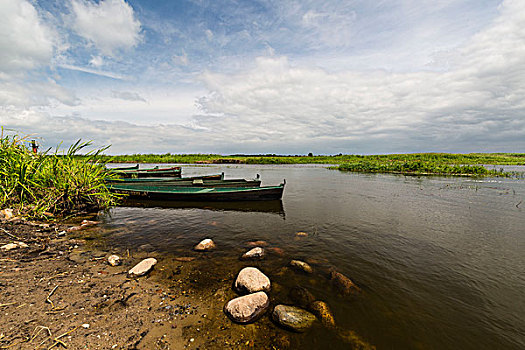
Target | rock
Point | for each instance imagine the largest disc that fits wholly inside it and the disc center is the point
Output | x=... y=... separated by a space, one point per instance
x=185 y=258
x=301 y=234
x=15 y=245
x=74 y=228
x=204 y=245
x=323 y=313
x=343 y=283
x=355 y=340
x=7 y=213
x=247 y=308
x=301 y=297
x=142 y=267
x=257 y=243
x=301 y=266
x=277 y=251
x=293 y=318
x=251 y=280
x=89 y=223
x=114 y=260
x=253 y=254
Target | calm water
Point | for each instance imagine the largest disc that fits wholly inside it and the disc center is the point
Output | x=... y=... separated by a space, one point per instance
x=441 y=260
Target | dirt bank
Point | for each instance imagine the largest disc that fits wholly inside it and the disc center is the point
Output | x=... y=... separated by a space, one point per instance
x=60 y=291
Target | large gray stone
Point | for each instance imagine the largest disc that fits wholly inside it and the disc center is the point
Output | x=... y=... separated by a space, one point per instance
x=292 y=317
x=251 y=280
x=142 y=267
x=247 y=308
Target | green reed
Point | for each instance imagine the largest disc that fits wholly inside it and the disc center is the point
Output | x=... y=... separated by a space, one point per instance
x=418 y=167
x=51 y=183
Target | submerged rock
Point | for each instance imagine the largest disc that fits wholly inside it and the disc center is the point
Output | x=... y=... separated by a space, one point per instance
x=142 y=267
x=293 y=318
x=301 y=296
x=301 y=266
x=323 y=313
x=251 y=280
x=355 y=341
x=344 y=284
x=257 y=243
x=205 y=244
x=114 y=260
x=247 y=308
x=276 y=250
x=301 y=234
x=185 y=258
x=253 y=254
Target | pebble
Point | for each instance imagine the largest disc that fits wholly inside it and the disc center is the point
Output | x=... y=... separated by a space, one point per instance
x=85 y=325
x=292 y=317
x=7 y=213
x=114 y=260
x=15 y=245
x=247 y=308
x=253 y=254
x=142 y=267
x=301 y=266
x=251 y=280
x=205 y=244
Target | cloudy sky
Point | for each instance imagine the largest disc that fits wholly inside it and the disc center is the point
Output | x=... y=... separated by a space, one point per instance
x=266 y=76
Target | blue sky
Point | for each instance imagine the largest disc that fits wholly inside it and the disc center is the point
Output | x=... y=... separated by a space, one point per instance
x=287 y=77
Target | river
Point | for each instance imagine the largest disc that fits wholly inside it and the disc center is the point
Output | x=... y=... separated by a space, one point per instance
x=440 y=260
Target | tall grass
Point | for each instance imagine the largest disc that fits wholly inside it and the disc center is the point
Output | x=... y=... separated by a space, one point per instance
x=51 y=183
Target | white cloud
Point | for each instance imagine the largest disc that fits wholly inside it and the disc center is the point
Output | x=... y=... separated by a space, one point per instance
x=110 y=25
x=96 y=61
x=181 y=59
x=127 y=95
x=25 y=42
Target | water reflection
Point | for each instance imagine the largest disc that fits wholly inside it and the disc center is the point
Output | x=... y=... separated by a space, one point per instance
x=272 y=207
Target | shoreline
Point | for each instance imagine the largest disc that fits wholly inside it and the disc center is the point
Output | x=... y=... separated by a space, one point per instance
x=61 y=289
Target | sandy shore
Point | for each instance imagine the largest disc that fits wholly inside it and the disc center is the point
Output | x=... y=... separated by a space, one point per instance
x=60 y=290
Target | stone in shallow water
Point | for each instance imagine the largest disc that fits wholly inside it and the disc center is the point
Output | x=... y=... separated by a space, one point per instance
x=257 y=243
x=205 y=244
x=247 y=308
x=293 y=318
x=251 y=280
x=301 y=296
x=301 y=266
x=142 y=267
x=345 y=285
x=114 y=260
x=253 y=254
x=324 y=314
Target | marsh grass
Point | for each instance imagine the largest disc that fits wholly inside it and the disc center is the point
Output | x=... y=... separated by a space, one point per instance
x=418 y=167
x=51 y=184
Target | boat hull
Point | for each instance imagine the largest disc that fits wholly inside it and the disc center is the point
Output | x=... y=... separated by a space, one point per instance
x=206 y=194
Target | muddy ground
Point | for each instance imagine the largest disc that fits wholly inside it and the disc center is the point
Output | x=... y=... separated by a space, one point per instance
x=60 y=291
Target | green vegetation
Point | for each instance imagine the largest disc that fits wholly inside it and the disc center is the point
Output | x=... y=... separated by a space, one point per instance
x=51 y=184
x=417 y=167
x=446 y=158
x=410 y=164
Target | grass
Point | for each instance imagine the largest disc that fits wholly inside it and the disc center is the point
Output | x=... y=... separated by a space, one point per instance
x=51 y=184
x=447 y=158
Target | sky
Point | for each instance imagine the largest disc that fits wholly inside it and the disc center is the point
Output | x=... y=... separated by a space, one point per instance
x=266 y=76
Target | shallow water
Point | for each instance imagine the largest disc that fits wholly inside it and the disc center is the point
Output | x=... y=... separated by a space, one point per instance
x=440 y=260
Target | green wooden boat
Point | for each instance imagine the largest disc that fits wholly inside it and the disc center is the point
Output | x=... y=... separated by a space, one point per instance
x=181 y=193
x=150 y=172
x=194 y=181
